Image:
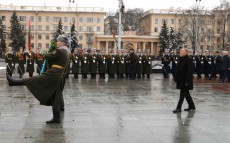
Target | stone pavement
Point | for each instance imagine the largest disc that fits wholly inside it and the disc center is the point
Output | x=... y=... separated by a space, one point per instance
x=117 y=111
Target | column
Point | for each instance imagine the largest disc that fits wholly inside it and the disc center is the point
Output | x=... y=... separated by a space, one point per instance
x=135 y=46
x=115 y=47
x=106 y=47
x=151 y=49
x=98 y=45
x=144 y=48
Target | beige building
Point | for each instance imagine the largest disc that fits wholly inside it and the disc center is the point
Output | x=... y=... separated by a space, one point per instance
x=89 y=22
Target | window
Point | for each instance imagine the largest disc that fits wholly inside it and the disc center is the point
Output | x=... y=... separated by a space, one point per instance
x=208 y=47
x=39 y=37
x=202 y=39
x=32 y=27
x=47 y=37
x=89 y=28
x=80 y=28
x=47 y=19
x=172 y=21
x=209 y=21
x=65 y=28
x=47 y=45
x=179 y=21
x=65 y=19
x=208 y=31
x=202 y=30
x=98 y=20
x=22 y=18
x=39 y=45
x=47 y=27
x=23 y=27
x=3 y=27
x=4 y=35
x=186 y=21
x=98 y=28
x=39 y=27
x=218 y=39
x=218 y=31
x=31 y=18
x=156 y=29
x=55 y=27
x=3 y=18
x=208 y=39
x=81 y=19
x=164 y=20
x=73 y=19
x=80 y=37
x=156 y=20
x=39 y=19
x=32 y=45
x=80 y=45
x=32 y=37
x=56 y=19
x=90 y=19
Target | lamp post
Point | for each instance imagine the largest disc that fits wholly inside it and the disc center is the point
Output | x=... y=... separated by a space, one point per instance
x=70 y=34
x=121 y=11
x=197 y=6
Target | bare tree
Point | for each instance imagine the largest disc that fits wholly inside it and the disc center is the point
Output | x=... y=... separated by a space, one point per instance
x=222 y=22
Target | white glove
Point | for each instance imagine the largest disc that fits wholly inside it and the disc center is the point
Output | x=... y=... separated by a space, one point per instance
x=16 y=65
x=6 y=64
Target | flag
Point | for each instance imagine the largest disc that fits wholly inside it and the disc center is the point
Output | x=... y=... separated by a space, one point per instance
x=29 y=36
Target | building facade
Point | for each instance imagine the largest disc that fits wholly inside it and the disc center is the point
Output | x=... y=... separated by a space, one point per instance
x=89 y=22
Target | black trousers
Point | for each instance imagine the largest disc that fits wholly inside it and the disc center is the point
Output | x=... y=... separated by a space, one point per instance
x=185 y=94
x=225 y=73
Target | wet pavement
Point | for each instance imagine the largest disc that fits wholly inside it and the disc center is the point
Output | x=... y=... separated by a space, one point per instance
x=118 y=111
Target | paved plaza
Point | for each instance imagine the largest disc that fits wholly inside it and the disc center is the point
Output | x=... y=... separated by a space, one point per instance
x=117 y=111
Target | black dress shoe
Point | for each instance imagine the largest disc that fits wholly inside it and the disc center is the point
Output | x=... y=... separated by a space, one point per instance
x=190 y=109
x=176 y=111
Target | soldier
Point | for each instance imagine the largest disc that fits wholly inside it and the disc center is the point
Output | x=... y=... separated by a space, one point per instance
x=120 y=64
x=139 y=65
x=10 y=61
x=174 y=59
x=102 y=64
x=30 y=57
x=148 y=64
x=75 y=63
x=112 y=64
x=85 y=64
x=39 y=60
x=218 y=61
x=199 y=61
x=21 y=61
x=207 y=65
x=47 y=87
x=127 y=63
x=93 y=59
x=225 y=67
x=165 y=64
x=133 y=64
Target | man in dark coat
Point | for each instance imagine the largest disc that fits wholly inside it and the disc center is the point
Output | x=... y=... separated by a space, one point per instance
x=102 y=64
x=139 y=65
x=133 y=64
x=147 y=59
x=47 y=87
x=85 y=64
x=10 y=61
x=165 y=64
x=184 y=80
x=174 y=59
x=120 y=64
x=218 y=61
x=225 y=67
x=112 y=64
x=199 y=62
x=93 y=59
x=75 y=63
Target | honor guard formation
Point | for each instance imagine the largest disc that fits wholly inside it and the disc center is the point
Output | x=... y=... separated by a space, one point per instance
x=129 y=64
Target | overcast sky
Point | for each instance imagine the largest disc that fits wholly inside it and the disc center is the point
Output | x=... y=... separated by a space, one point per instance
x=112 y=5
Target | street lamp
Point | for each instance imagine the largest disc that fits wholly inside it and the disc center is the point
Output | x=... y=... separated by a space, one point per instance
x=197 y=6
x=121 y=11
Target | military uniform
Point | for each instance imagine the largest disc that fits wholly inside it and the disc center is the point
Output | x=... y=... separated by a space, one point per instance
x=127 y=63
x=199 y=61
x=102 y=65
x=75 y=64
x=148 y=65
x=207 y=66
x=165 y=65
x=39 y=60
x=21 y=61
x=218 y=62
x=139 y=66
x=30 y=57
x=84 y=65
x=174 y=60
x=93 y=65
x=10 y=61
x=112 y=65
x=120 y=66
x=133 y=66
